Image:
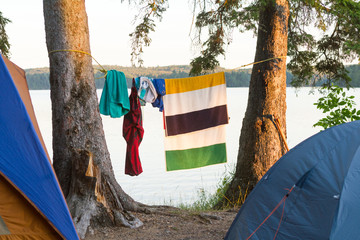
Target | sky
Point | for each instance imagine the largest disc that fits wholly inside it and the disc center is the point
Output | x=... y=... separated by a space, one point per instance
x=110 y=23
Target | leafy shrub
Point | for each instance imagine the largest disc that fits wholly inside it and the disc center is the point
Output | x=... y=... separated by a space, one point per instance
x=340 y=108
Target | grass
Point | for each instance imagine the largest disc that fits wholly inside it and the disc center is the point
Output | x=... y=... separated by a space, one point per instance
x=207 y=201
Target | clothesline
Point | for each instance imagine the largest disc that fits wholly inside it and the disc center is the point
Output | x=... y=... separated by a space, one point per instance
x=234 y=69
x=195 y=133
x=103 y=70
x=194 y=129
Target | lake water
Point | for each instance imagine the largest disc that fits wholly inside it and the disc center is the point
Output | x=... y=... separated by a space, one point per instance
x=155 y=185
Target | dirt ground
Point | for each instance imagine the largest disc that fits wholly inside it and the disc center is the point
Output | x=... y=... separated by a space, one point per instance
x=174 y=224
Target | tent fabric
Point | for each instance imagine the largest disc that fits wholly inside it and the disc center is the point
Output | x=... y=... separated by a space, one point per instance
x=18 y=76
x=24 y=164
x=19 y=218
x=324 y=203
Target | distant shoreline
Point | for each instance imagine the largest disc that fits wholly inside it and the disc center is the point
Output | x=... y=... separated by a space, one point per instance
x=38 y=78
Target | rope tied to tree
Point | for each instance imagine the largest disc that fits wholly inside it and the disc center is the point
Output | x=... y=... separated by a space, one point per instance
x=254 y=63
x=277 y=124
x=103 y=70
x=278 y=127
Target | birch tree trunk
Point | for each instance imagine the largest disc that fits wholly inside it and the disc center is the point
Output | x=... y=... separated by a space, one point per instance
x=260 y=141
x=81 y=158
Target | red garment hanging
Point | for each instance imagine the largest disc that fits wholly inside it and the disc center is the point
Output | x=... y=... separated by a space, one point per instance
x=133 y=133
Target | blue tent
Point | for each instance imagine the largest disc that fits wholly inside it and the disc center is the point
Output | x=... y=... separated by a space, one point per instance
x=32 y=205
x=312 y=192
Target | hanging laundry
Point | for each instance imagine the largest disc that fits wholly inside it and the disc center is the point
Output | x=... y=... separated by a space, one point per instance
x=133 y=133
x=114 y=99
x=159 y=85
x=147 y=91
x=195 y=118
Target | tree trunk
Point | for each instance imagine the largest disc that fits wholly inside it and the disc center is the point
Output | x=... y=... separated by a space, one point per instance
x=81 y=158
x=260 y=141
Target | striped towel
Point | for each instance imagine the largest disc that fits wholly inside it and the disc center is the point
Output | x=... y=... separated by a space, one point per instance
x=195 y=117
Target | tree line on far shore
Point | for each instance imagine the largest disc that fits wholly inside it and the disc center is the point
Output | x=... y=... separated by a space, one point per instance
x=38 y=78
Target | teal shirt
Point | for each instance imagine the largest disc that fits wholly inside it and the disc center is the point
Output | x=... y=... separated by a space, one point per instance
x=114 y=99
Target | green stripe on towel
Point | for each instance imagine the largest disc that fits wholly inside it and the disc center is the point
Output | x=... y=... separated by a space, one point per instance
x=195 y=157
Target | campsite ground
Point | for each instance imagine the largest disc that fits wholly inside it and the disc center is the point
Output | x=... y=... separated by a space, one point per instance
x=174 y=224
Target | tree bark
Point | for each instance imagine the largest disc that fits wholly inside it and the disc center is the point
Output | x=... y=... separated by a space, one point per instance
x=260 y=141
x=81 y=159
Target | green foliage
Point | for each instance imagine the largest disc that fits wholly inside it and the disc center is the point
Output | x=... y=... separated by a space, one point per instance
x=340 y=108
x=322 y=59
x=219 y=23
x=4 y=41
x=312 y=59
x=206 y=200
x=149 y=11
x=322 y=35
x=209 y=201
